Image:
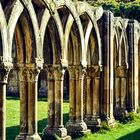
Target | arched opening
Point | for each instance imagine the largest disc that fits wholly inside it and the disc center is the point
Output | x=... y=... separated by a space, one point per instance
x=12 y=85
x=66 y=97
x=12 y=106
x=73 y=56
x=42 y=100
x=93 y=83
x=120 y=75
x=23 y=54
x=66 y=86
x=52 y=48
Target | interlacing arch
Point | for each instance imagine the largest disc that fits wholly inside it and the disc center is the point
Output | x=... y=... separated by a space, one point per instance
x=73 y=44
x=120 y=66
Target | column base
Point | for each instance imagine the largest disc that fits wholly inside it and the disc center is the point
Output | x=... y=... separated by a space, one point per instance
x=119 y=112
x=55 y=133
x=33 y=137
x=93 y=123
x=77 y=129
x=21 y=137
x=110 y=121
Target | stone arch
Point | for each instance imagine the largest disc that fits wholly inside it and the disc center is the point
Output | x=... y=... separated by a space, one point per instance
x=84 y=9
x=14 y=13
x=72 y=20
x=24 y=41
x=120 y=30
x=3 y=36
x=94 y=61
x=120 y=67
x=52 y=21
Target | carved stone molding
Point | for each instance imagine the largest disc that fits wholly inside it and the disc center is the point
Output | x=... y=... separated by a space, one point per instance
x=55 y=72
x=121 y=72
x=28 y=74
x=93 y=71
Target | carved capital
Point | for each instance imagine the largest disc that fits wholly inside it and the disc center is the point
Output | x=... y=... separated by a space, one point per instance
x=55 y=72
x=121 y=72
x=80 y=71
x=71 y=70
x=28 y=74
x=93 y=71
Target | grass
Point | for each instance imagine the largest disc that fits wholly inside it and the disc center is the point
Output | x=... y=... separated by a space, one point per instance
x=129 y=131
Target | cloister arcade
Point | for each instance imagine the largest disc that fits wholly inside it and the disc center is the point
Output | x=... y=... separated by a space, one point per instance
x=100 y=54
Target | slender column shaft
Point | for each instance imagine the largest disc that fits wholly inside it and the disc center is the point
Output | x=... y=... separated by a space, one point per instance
x=23 y=90
x=23 y=87
x=88 y=98
x=32 y=108
x=96 y=86
x=3 y=111
x=58 y=102
x=50 y=100
x=32 y=100
x=72 y=91
x=3 y=82
x=79 y=97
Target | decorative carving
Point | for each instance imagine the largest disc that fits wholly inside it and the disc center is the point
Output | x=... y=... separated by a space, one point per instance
x=93 y=71
x=29 y=74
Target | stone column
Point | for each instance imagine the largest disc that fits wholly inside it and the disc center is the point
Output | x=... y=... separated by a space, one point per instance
x=72 y=96
x=23 y=91
x=28 y=76
x=51 y=100
x=107 y=98
x=78 y=127
x=133 y=66
x=3 y=82
x=92 y=116
x=56 y=118
x=32 y=78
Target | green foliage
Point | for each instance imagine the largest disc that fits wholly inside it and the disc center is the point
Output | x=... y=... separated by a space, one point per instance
x=104 y=125
x=138 y=110
x=129 y=131
x=130 y=117
x=129 y=10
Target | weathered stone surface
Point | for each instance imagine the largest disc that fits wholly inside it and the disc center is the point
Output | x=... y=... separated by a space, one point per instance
x=92 y=44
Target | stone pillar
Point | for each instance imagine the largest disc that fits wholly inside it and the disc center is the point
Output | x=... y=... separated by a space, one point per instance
x=55 y=126
x=32 y=78
x=51 y=100
x=77 y=126
x=107 y=82
x=92 y=116
x=23 y=91
x=3 y=82
x=28 y=76
x=72 y=95
x=133 y=66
